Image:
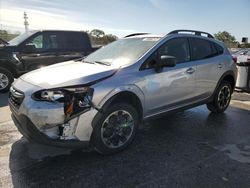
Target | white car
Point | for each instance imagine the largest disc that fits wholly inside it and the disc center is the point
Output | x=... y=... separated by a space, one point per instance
x=242 y=55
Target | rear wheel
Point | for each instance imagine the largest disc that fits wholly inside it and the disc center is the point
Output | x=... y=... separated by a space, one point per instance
x=221 y=99
x=115 y=129
x=6 y=79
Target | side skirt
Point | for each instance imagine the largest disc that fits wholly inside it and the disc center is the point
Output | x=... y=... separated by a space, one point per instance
x=179 y=109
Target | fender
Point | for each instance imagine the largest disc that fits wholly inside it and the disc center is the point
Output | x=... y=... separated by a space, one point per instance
x=126 y=88
x=108 y=99
x=9 y=67
x=227 y=73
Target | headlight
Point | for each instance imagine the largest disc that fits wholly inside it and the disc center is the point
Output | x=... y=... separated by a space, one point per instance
x=49 y=95
x=63 y=94
x=52 y=95
x=75 y=99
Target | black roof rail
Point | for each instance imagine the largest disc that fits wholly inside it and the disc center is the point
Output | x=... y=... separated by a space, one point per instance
x=199 y=33
x=135 y=34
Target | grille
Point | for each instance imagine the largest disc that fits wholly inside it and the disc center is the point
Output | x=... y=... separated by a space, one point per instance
x=16 y=97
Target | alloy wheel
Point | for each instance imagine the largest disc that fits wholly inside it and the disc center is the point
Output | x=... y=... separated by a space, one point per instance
x=117 y=129
x=224 y=97
x=4 y=81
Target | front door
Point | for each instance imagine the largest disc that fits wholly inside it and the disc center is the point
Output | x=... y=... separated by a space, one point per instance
x=46 y=52
x=172 y=87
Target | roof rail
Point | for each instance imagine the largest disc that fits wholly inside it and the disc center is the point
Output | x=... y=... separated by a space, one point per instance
x=135 y=34
x=199 y=33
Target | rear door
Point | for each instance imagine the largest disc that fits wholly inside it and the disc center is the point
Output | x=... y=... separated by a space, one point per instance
x=207 y=56
x=47 y=47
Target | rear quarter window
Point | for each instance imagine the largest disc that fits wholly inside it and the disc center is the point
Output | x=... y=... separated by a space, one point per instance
x=219 y=49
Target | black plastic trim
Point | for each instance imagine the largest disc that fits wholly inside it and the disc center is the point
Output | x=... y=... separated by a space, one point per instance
x=198 y=33
x=135 y=34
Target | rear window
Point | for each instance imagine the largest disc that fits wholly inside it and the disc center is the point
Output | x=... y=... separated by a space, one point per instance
x=202 y=49
x=76 y=41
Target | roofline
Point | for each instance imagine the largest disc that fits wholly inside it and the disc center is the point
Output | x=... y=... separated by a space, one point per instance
x=56 y=30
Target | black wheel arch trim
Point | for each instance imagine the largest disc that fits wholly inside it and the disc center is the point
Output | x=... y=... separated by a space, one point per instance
x=224 y=75
x=109 y=102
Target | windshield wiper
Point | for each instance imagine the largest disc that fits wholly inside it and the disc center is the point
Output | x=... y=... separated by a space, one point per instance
x=103 y=63
x=88 y=62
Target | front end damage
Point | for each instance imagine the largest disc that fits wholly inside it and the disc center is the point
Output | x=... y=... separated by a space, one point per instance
x=60 y=115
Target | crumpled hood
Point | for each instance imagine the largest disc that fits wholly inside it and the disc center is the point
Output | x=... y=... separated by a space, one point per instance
x=69 y=73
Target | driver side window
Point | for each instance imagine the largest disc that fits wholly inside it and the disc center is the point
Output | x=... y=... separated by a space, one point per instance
x=179 y=48
x=46 y=42
x=37 y=42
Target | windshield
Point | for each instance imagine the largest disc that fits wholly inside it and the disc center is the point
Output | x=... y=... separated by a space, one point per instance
x=20 y=38
x=123 y=51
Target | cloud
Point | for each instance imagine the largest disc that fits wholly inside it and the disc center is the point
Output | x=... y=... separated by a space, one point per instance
x=38 y=20
x=59 y=19
x=156 y=3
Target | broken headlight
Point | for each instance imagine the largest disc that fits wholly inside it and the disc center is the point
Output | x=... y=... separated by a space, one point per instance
x=49 y=95
x=75 y=99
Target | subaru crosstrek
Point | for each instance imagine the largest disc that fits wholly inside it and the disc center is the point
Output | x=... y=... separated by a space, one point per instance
x=99 y=101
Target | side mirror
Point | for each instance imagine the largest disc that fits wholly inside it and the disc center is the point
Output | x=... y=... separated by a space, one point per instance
x=167 y=61
x=29 y=48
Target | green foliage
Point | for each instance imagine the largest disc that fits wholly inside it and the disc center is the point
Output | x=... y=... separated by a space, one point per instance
x=7 y=36
x=227 y=38
x=98 y=37
x=97 y=33
x=245 y=45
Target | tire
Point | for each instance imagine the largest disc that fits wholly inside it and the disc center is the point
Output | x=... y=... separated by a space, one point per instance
x=221 y=99
x=6 y=80
x=105 y=136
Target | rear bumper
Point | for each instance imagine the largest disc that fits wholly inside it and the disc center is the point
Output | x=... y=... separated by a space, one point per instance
x=29 y=131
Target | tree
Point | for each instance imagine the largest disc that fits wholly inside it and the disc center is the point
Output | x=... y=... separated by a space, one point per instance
x=98 y=37
x=6 y=35
x=110 y=38
x=227 y=38
x=97 y=33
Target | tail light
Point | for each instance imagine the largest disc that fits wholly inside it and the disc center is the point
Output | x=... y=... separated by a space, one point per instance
x=248 y=59
x=234 y=59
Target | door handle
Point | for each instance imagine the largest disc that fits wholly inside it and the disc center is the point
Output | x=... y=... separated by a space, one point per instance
x=219 y=65
x=190 y=71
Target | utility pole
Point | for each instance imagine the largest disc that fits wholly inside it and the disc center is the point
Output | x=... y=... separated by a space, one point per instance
x=26 y=24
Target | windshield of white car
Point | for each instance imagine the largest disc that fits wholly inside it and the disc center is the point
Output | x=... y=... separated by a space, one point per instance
x=122 y=52
x=19 y=39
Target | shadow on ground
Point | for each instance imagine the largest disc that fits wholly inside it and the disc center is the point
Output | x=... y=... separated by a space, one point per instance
x=179 y=150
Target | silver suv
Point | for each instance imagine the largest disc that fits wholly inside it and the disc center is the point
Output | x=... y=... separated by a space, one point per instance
x=99 y=101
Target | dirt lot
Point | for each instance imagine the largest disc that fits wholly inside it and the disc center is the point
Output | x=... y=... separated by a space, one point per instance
x=190 y=149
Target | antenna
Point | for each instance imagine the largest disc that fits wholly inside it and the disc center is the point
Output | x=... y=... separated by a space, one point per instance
x=26 y=24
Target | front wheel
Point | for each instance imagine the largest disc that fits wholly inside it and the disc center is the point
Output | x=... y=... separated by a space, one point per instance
x=6 y=79
x=221 y=99
x=115 y=129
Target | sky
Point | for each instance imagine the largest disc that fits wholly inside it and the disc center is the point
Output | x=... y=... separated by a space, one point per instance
x=122 y=17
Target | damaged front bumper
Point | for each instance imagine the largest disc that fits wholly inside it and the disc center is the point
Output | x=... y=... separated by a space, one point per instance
x=45 y=122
